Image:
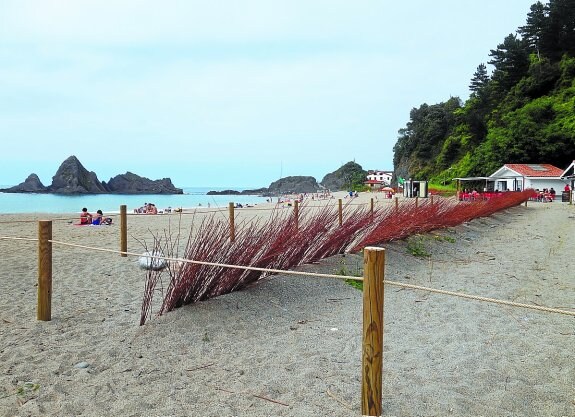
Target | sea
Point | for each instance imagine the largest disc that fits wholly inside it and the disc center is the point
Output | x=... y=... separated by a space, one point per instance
x=193 y=197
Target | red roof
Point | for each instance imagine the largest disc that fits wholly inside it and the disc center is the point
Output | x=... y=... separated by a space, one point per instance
x=536 y=170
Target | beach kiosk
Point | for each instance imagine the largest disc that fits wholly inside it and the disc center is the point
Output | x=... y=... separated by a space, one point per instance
x=413 y=188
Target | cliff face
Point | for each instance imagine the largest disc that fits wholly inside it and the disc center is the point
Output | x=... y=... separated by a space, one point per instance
x=73 y=178
x=130 y=183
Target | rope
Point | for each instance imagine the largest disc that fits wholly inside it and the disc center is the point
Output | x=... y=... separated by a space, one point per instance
x=247 y=268
x=479 y=298
x=313 y=274
x=18 y=238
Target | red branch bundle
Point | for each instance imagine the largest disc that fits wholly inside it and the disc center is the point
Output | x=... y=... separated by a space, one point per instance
x=282 y=243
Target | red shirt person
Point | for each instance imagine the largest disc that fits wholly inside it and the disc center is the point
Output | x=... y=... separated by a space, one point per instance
x=85 y=217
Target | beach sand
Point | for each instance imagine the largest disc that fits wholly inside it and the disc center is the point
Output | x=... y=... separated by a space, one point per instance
x=291 y=346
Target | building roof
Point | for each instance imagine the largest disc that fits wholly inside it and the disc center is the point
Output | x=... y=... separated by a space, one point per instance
x=535 y=170
x=569 y=171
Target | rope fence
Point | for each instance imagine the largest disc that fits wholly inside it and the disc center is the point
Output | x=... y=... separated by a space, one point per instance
x=303 y=273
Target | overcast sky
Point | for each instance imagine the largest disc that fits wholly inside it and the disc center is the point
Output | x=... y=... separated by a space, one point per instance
x=229 y=93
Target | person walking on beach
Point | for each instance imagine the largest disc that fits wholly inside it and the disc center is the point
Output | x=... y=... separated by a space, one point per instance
x=85 y=217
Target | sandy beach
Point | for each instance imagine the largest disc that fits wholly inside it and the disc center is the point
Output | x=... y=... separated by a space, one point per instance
x=291 y=346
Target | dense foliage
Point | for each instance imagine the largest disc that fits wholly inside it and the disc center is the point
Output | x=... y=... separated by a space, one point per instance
x=524 y=112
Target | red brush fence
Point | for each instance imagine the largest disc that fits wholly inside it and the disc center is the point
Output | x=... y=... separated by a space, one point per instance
x=284 y=241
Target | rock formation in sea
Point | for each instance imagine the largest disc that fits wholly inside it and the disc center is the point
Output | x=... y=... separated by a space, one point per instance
x=32 y=184
x=287 y=185
x=72 y=178
x=130 y=183
x=341 y=179
x=294 y=185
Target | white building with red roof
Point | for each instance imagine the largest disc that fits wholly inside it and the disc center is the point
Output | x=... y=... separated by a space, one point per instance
x=515 y=177
x=377 y=179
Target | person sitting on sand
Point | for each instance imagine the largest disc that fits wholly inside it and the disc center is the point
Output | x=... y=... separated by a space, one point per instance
x=85 y=217
x=151 y=209
x=100 y=219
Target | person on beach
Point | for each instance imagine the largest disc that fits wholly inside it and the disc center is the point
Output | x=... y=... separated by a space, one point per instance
x=85 y=217
x=151 y=209
x=100 y=219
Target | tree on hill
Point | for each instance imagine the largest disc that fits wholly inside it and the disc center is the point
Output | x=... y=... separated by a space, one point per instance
x=524 y=112
x=480 y=80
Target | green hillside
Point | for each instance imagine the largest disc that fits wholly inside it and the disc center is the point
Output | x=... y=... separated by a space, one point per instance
x=523 y=112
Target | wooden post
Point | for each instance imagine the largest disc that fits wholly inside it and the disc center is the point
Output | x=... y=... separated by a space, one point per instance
x=372 y=351
x=296 y=214
x=372 y=209
x=232 y=222
x=431 y=199
x=340 y=212
x=570 y=197
x=396 y=203
x=44 y=308
x=123 y=231
x=416 y=201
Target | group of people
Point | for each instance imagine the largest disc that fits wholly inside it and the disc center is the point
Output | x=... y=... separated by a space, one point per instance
x=96 y=219
x=546 y=195
x=150 y=208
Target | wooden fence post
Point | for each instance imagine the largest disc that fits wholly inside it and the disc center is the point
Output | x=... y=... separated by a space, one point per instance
x=416 y=201
x=123 y=231
x=372 y=351
x=44 y=306
x=396 y=203
x=340 y=212
x=232 y=222
x=372 y=209
x=296 y=214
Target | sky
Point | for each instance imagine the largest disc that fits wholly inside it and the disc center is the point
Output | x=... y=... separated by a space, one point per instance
x=235 y=93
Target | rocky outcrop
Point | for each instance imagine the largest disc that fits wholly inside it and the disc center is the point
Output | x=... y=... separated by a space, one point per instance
x=130 y=183
x=346 y=177
x=32 y=184
x=258 y=191
x=224 y=192
x=287 y=185
x=73 y=178
x=294 y=185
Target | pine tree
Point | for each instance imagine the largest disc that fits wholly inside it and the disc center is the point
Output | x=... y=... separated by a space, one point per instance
x=511 y=62
x=479 y=80
x=535 y=28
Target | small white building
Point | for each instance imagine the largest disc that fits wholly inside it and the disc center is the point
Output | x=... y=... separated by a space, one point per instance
x=378 y=179
x=517 y=177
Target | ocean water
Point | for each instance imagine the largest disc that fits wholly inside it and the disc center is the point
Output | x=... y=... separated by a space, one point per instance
x=110 y=203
